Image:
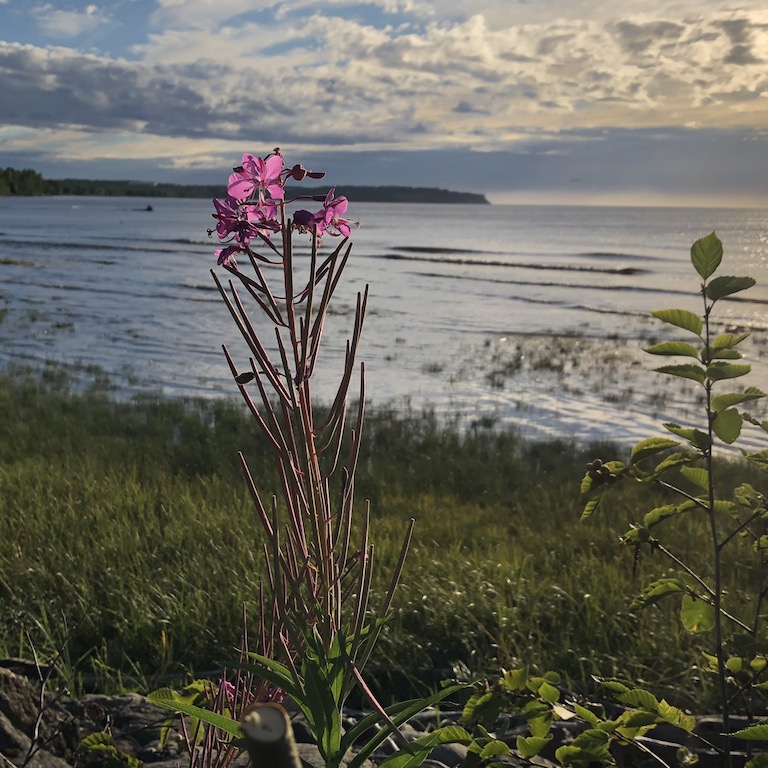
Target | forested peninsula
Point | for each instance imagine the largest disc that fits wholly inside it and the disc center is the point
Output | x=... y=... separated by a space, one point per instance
x=30 y=183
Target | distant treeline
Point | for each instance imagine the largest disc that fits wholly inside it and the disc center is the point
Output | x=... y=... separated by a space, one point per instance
x=29 y=182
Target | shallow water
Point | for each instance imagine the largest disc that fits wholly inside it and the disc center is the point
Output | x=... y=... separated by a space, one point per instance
x=466 y=303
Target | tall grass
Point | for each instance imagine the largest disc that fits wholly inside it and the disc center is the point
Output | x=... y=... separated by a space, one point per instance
x=127 y=534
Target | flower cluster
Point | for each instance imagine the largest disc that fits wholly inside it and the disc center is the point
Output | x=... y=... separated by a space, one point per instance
x=255 y=206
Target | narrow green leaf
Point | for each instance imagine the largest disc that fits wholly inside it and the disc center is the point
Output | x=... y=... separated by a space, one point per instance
x=696 y=614
x=650 y=447
x=726 y=400
x=418 y=750
x=530 y=746
x=706 y=255
x=727 y=425
x=684 y=371
x=681 y=318
x=226 y=724
x=727 y=285
x=721 y=371
x=753 y=733
x=673 y=348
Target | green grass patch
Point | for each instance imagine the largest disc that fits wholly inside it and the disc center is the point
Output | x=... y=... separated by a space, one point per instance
x=128 y=538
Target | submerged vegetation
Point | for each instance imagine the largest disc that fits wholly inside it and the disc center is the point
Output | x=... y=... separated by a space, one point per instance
x=127 y=535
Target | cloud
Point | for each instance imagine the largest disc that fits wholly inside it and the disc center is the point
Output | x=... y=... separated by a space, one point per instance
x=63 y=24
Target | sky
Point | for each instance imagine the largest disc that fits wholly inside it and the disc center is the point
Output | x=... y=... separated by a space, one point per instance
x=540 y=101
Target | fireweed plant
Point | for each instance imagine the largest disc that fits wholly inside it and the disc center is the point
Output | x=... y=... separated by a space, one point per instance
x=318 y=625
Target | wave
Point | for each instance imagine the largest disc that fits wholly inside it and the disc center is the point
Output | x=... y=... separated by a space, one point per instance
x=515 y=265
x=57 y=245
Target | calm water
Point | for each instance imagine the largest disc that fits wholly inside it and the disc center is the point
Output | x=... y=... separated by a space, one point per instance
x=98 y=280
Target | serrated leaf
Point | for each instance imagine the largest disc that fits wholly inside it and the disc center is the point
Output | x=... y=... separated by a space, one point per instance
x=614 y=686
x=637 y=697
x=706 y=255
x=728 y=399
x=592 y=504
x=681 y=318
x=495 y=748
x=530 y=746
x=659 y=514
x=658 y=590
x=696 y=475
x=697 y=615
x=587 y=715
x=651 y=447
x=675 y=460
x=727 y=425
x=725 y=354
x=759 y=457
x=673 y=348
x=727 y=285
x=695 y=437
x=753 y=733
x=728 y=340
x=676 y=716
x=684 y=371
x=721 y=371
x=548 y=692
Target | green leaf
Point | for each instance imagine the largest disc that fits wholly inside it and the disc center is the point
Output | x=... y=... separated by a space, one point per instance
x=721 y=371
x=695 y=437
x=637 y=697
x=681 y=318
x=696 y=475
x=696 y=614
x=222 y=722
x=275 y=673
x=725 y=354
x=515 y=679
x=726 y=285
x=759 y=457
x=753 y=733
x=758 y=761
x=706 y=255
x=726 y=340
x=418 y=750
x=531 y=746
x=727 y=425
x=675 y=460
x=676 y=716
x=548 y=692
x=587 y=715
x=658 y=590
x=673 y=348
x=398 y=713
x=659 y=514
x=593 y=502
x=684 y=371
x=728 y=399
x=651 y=447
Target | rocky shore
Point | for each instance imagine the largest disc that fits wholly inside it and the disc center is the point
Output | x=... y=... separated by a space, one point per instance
x=38 y=730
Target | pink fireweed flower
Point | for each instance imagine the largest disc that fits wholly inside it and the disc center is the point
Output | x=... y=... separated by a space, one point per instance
x=259 y=177
x=244 y=222
x=225 y=257
x=331 y=215
x=327 y=219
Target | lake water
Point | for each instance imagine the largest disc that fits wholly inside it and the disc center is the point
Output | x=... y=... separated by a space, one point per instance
x=527 y=315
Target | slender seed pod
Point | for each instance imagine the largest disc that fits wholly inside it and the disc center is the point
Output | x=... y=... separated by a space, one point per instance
x=269 y=736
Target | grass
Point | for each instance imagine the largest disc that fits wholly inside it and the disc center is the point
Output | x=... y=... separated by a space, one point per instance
x=127 y=535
